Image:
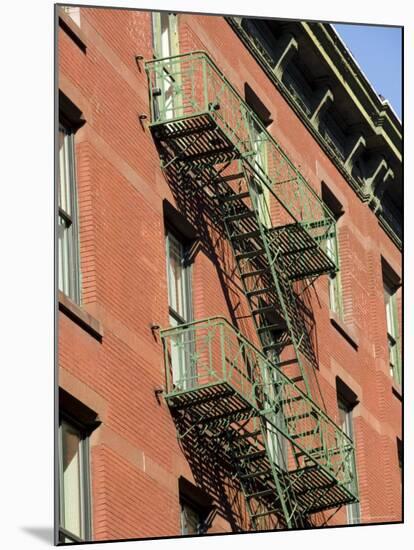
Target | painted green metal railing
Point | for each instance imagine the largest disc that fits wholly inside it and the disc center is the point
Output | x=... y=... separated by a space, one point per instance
x=191 y=85
x=211 y=351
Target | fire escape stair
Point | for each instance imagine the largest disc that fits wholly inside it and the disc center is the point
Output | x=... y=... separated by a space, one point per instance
x=304 y=491
x=267 y=297
x=266 y=490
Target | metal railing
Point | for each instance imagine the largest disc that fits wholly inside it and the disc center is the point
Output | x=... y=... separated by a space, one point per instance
x=211 y=351
x=66 y=536
x=191 y=85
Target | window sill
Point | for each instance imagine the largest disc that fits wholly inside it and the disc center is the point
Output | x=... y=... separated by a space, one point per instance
x=345 y=330
x=68 y=25
x=80 y=316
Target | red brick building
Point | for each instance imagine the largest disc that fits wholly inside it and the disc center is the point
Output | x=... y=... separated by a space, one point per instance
x=240 y=182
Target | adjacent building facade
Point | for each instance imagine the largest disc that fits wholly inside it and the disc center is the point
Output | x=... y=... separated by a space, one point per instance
x=229 y=273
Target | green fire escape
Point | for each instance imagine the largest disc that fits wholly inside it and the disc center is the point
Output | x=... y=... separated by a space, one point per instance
x=288 y=457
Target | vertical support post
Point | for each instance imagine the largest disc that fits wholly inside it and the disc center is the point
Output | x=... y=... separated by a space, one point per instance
x=181 y=365
x=166 y=363
x=353 y=470
x=305 y=210
x=161 y=77
x=205 y=90
x=191 y=73
x=336 y=259
x=151 y=96
x=223 y=350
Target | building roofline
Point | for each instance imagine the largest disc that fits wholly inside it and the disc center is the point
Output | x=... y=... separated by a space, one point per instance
x=358 y=86
x=330 y=28
x=380 y=129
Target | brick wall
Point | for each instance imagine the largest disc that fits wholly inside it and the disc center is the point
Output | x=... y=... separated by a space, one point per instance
x=136 y=460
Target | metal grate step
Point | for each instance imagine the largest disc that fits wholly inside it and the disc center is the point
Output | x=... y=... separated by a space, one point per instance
x=263 y=309
x=251 y=456
x=298 y=416
x=304 y=434
x=260 y=291
x=250 y=254
x=292 y=399
x=314 y=452
x=274 y=326
x=257 y=474
x=261 y=493
x=240 y=216
x=267 y=513
x=255 y=273
x=247 y=235
x=231 y=177
x=212 y=153
x=235 y=197
x=249 y=434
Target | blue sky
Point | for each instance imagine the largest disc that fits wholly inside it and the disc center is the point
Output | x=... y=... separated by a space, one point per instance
x=378 y=53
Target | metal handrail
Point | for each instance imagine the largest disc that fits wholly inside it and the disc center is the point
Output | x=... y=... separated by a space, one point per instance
x=65 y=534
x=210 y=321
x=330 y=447
x=201 y=55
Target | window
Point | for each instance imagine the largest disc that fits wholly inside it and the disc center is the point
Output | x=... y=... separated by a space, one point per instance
x=180 y=308
x=196 y=509
x=334 y=283
x=74 y=499
x=191 y=523
x=390 y=299
x=165 y=44
x=276 y=442
x=345 y=408
x=332 y=250
x=275 y=420
x=164 y=34
x=179 y=280
x=68 y=244
x=260 y=190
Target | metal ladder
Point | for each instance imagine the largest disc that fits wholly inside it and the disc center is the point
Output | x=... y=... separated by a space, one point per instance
x=263 y=271
x=266 y=486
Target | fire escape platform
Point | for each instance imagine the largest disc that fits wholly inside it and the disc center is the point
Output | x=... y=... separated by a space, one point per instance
x=195 y=138
x=200 y=119
x=305 y=256
x=198 y=138
x=225 y=400
x=212 y=402
x=221 y=407
x=316 y=490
